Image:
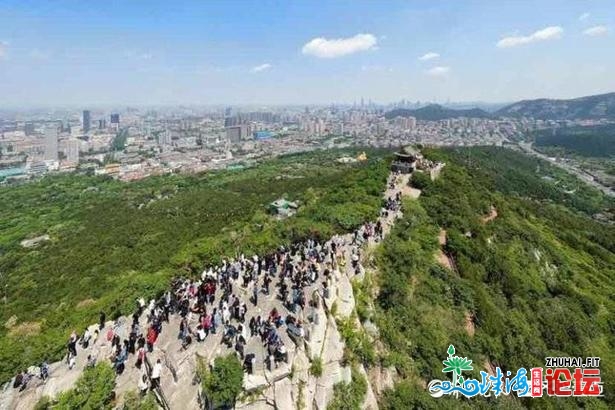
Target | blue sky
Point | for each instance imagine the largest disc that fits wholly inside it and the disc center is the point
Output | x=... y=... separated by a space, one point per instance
x=278 y=52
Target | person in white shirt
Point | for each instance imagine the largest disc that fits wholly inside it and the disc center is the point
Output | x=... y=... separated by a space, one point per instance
x=156 y=371
x=85 y=339
x=143 y=385
x=201 y=334
x=71 y=362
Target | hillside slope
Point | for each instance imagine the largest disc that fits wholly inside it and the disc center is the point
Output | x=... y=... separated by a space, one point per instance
x=112 y=242
x=594 y=141
x=590 y=107
x=531 y=275
x=435 y=112
x=320 y=370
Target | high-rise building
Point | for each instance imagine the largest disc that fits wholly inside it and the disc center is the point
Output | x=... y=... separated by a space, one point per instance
x=51 y=143
x=86 y=121
x=115 y=119
x=233 y=134
x=28 y=128
x=102 y=124
x=165 y=138
x=233 y=121
x=71 y=150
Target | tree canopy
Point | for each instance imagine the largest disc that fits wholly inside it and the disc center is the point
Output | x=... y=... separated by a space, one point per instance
x=223 y=383
x=534 y=281
x=111 y=242
x=93 y=391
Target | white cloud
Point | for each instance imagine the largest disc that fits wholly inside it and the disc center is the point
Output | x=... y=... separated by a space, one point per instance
x=262 y=67
x=596 y=31
x=338 y=47
x=547 y=33
x=429 y=56
x=584 y=16
x=438 y=71
x=3 y=47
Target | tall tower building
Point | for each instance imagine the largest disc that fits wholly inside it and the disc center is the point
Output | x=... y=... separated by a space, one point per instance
x=29 y=128
x=86 y=121
x=51 y=143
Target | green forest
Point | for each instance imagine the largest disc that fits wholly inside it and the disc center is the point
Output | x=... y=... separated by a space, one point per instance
x=594 y=141
x=536 y=280
x=111 y=242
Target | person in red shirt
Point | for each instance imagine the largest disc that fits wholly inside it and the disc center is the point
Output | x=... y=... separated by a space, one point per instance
x=151 y=338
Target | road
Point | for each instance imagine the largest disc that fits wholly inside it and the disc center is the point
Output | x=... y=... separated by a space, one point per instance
x=527 y=148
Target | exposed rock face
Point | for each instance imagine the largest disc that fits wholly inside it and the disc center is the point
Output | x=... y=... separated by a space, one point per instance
x=283 y=394
x=382 y=378
x=287 y=386
x=345 y=297
x=31 y=243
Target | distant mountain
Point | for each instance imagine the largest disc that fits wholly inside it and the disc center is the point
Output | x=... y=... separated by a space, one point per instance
x=435 y=112
x=590 y=107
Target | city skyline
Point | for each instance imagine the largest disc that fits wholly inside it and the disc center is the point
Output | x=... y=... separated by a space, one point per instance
x=276 y=53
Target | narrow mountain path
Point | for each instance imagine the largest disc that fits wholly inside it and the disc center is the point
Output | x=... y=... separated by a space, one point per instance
x=290 y=382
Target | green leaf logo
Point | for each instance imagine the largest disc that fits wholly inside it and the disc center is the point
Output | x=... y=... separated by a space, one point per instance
x=456 y=365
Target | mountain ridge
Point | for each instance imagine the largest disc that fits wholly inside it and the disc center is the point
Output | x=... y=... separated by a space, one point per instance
x=436 y=112
x=587 y=107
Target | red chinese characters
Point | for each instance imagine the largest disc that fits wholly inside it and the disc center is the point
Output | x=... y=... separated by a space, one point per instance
x=537 y=382
x=562 y=383
x=587 y=382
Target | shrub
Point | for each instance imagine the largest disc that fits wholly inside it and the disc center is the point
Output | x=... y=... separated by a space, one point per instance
x=44 y=403
x=420 y=180
x=94 y=390
x=349 y=396
x=224 y=382
x=316 y=367
x=132 y=401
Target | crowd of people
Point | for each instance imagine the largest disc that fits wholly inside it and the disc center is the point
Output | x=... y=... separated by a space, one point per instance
x=222 y=300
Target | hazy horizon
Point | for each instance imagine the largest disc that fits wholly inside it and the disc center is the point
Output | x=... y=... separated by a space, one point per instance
x=69 y=53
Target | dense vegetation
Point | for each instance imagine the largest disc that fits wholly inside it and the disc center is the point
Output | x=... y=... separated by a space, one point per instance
x=93 y=391
x=595 y=141
x=535 y=281
x=349 y=396
x=111 y=242
x=223 y=383
x=134 y=401
x=593 y=106
x=435 y=112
